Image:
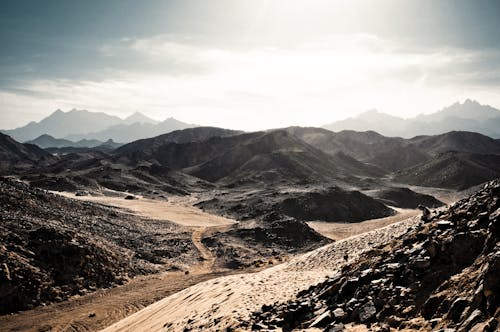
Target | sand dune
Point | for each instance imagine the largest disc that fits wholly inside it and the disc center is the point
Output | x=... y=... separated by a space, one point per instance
x=221 y=302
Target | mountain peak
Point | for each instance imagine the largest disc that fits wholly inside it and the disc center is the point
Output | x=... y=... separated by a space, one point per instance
x=471 y=102
x=138 y=117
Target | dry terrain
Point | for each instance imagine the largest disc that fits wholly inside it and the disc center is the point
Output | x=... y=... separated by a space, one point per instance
x=342 y=230
x=201 y=289
x=224 y=301
x=177 y=209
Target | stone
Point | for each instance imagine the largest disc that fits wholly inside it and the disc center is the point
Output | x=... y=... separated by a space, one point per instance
x=422 y=263
x=494 y=215
x=367 y=312
x=474 y=318
x=5 y=272
x=430 y=306
x=444 y=224
x=322 y=320
x=335 y=328
x=457 y=308
x=339 y=314
x=349 y=287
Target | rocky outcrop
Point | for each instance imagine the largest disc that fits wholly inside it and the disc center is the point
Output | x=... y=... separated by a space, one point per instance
x=52 y=248
x=406 y=198
x=266 y=240
x=330 y=204
x=440 y=274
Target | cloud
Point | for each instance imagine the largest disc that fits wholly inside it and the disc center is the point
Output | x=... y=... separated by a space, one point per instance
x=255 y=88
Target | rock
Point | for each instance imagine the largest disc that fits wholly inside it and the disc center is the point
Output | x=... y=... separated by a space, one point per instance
x=367 y=312
x=348 y=288
x=457 y=308
x=5 y=272
x=474 y=318
x=422 y=263
x=258 y=327
x=130 y=197
x=339 y=314
x=494 y=215
x=266 y=307
x=335 y=328
x=444 y=224
x=92 y=314
x=431 y=305
x=322 y=320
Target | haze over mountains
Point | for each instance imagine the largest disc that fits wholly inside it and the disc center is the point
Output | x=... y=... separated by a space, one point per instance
x=89 y=129
x=76 y=125
x=467 y=116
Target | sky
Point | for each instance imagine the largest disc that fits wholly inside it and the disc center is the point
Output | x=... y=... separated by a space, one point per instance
x=246 y=64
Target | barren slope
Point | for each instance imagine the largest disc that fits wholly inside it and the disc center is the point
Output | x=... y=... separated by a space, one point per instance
x=225 y=301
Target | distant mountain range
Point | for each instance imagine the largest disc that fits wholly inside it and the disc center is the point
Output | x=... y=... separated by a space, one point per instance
x=467 y=116
x=207 y=156
x=77 y=125
x=48 y=142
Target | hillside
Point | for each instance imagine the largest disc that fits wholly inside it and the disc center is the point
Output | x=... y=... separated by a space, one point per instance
x=396 y=154
x=461 y=141
x=15 y=156
x=247 y=158
x=331 y=204
x=52 y=248
x=149 y=146
x=406 y=198
x=454 y=170
x=440 y=275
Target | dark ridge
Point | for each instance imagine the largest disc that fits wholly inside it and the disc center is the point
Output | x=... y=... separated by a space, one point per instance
x=326 y=204
x=453 y=170
x=406 y=198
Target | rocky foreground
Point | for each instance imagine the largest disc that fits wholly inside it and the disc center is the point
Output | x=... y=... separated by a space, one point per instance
x=441 y=275
x=52 y=248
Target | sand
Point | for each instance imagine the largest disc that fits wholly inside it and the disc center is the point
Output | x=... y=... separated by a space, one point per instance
x=342 y=230
x=178 y=209
x=222 y=302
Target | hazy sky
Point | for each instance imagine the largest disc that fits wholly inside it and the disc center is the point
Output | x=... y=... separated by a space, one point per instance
x=246 y=64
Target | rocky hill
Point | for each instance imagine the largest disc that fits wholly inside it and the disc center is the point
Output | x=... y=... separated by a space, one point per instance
x=406 y=198
x=454 y=170
x=15 y=156
x=259 y=157
x=52 y=248
x=441 y=274
x=332 y=204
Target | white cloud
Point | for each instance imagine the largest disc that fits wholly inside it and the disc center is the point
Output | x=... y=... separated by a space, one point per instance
x=256 y=88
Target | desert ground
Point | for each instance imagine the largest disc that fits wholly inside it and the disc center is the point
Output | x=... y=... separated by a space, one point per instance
x=205 y=294
x=222 y=302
